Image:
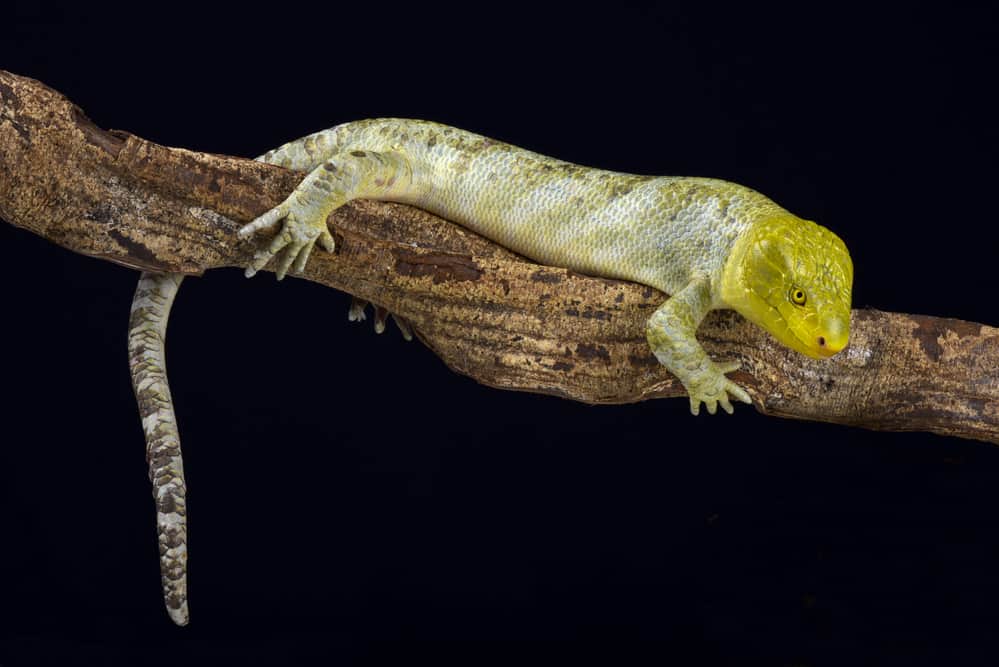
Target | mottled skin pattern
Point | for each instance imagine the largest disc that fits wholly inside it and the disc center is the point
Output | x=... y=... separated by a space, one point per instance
x=146 y=337
x=708 y=243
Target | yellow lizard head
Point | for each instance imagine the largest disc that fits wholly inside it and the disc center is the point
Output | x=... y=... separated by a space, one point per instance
x=793 y=278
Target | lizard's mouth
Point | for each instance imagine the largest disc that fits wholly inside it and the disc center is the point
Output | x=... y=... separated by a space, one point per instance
x=820 y=345
x=831 y=346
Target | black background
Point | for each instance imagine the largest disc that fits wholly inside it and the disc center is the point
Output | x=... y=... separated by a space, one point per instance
x=358 y=503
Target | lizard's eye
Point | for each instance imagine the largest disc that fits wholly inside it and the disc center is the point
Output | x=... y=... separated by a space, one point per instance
x=797 y=296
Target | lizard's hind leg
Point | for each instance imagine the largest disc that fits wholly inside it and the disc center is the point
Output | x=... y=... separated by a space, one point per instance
x=357 y=314
x=146 y=336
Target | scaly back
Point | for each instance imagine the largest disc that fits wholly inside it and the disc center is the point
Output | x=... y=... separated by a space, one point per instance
x=659 y=231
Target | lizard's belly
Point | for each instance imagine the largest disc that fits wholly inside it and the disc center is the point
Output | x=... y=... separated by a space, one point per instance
x=655 y=230
x=640 y=228
x=588 y=220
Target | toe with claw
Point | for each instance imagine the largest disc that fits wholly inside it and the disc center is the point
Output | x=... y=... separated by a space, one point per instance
x=713 y=389
x=357 y=314
x=301 y=227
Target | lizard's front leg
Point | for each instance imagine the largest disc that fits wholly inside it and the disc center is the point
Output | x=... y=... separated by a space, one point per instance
x=146 y=337
x=671 y=334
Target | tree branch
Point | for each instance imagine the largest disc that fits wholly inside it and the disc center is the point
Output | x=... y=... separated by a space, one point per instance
x=488 y=313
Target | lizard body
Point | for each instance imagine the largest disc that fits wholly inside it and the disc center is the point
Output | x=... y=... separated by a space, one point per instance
x=638 y=228
x=707 y=243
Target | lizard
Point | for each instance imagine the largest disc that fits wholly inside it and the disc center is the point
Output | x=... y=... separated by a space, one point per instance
x=708 y=243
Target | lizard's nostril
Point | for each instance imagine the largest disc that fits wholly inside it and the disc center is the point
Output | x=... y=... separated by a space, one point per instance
x=822 y=341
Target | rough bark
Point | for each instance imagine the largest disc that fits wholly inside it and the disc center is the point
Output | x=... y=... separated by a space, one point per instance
x=489 y=314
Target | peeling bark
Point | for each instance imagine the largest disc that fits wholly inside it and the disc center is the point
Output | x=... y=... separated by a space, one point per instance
x=488 y=313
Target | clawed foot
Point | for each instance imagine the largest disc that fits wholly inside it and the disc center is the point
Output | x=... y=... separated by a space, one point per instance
x=303 y=227
x=357 y=314
x=713 y=389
